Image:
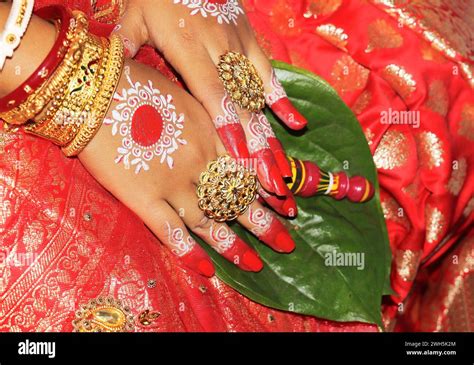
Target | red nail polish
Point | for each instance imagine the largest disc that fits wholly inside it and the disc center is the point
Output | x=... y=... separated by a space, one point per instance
x=284 y=242
x=285 y=110
x=289 y=206
x=280 y=156
x=252 y=261
x=278 y=183
x=206 y=268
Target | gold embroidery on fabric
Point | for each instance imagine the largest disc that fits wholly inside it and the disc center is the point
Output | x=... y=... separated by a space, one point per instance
x=333 y=35
x=362 y=102
x=104 y=315
x=406 y=262
x=369 y=136
x=315 y=8
x=392 y=211
x=110 y=12
x=430 y=150
x=347 y=75
x=411 y=190
x=466 y=126
x=438 y=98
x=400 y=80
x=458 y=175
x=469 y=207
x=435 y=224
x=382 y=35
x=439 y=43
x=392 y=151
x=458 y=302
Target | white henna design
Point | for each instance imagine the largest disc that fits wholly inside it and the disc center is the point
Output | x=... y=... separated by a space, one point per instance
x=261 y=220
x=225 y=12
x=149 y=125
x=178 y=243
x=223 y=236
x=229 y=115
x=277 y=93
x=256 y=140
x=267 y=128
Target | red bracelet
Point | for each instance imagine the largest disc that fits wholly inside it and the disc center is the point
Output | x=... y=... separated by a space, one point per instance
x=52 y=61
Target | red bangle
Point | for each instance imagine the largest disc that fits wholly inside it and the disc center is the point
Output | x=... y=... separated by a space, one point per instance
x=52 y=61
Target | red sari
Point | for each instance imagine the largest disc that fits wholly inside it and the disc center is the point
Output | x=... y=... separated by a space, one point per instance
x=72 y=241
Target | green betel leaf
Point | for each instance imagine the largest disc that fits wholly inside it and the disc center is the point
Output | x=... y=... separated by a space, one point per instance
x=304 y=281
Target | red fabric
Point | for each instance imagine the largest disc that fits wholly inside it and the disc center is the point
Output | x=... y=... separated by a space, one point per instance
x=87 y=244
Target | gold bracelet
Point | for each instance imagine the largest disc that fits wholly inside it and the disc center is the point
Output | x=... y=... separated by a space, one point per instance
x=111 y=73
x=62 y=122
x=37 y=101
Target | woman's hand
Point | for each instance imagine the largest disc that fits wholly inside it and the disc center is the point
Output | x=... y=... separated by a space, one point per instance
x=150 y=152
x=192 y=35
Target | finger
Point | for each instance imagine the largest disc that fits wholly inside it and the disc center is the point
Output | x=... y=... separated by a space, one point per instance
x=132 y=31
x=275 y=95
x=170 y=229
x=285 y=206
x=218 y=235
x=228 y=127
x=267 y=227
x=267 y=168
x=275 y=146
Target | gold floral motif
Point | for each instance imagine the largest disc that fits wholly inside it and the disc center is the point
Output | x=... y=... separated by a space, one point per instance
x=458 y=176
x=438 y=98
x=466 y=126
x=406 y=262
x=369 y=136
x=435 y=224
x=108 y=13
x=146 y=318
x=103 y=315
x=392 y=152
x=334 y=35
x=362 y=102
x=314 y=8
x=382 y=35
x=411 y=190
x=469 y=207
x=33 y=236
x=394 y=212
x=347 y=75
x=402 y=81
x=420 y=16
x=428 y=53
x=430 y=150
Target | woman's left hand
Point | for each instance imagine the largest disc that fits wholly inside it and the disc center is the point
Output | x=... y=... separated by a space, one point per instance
x=192 y=35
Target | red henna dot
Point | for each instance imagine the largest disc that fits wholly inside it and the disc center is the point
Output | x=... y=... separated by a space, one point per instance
x=221 y=2
x=147 y=125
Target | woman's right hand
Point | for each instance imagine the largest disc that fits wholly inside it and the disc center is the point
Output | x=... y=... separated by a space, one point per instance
x=150 y=151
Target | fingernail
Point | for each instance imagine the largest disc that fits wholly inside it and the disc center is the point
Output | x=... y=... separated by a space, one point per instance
x=288 y=114
x=289 y=207
x=283 y=163
x=284 y=242
x=278 y=183
x=251 y=261
x=206 y=268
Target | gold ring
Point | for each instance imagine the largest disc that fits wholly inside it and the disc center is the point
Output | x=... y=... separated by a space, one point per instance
x=226 y=189
x=241 y=81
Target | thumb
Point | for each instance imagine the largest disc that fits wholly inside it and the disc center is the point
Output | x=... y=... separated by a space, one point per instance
x=132 y=29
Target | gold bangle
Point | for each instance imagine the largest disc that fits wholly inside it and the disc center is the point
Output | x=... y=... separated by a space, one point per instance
x=64 y=118
x=112 y=73
x=37 y=101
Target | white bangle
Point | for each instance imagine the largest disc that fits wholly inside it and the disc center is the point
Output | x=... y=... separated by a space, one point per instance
x=15 y=28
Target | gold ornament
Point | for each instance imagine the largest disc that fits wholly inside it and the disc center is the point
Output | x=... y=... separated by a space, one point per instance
x=241 y=81
x=226 y=189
